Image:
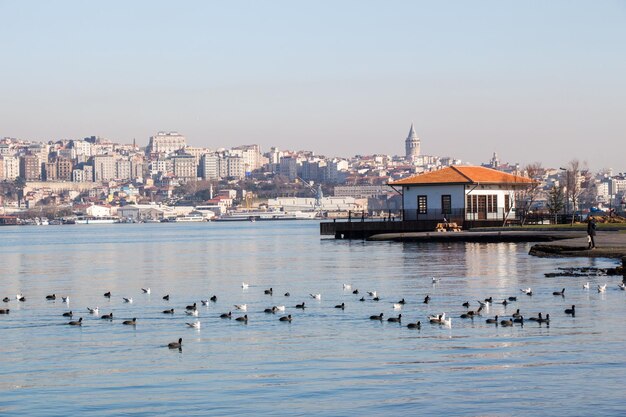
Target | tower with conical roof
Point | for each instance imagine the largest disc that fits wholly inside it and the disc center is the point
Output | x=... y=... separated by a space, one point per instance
x=412 y=145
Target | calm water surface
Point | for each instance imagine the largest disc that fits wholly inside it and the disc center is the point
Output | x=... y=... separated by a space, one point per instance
x=327 y=361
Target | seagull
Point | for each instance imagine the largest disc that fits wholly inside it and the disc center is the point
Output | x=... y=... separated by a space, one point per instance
x=66 y=299
x=280 y=308
x=347 y=286
x=372 y=293
x=601 y=288
x=316 y=296
x=446 y=322
x=19 y=296
x=527 y=291
x=586 y=286
x=438 y=318
x=205 y=302
x=195 y=325
x=242 y=307
x=146 y=290
x=483 y=303
x=92 y=310
x=397 y=306
x=245 y=285
x=435 y=280
x=192 y=313
x=128 y=300
x=622 y=286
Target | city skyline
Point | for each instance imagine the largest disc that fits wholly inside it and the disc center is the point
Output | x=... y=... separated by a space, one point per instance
x=532 y=82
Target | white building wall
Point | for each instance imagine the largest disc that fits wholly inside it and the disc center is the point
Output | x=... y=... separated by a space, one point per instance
x=433 y=195
x=98 y=211
x=11 y=167
x=458 y=195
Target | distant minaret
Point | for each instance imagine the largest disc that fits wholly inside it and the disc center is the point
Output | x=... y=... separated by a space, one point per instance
x=412 y=145
x=495 y=162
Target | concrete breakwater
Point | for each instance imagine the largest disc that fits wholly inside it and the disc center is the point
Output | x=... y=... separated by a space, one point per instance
x=550 y=243
x=481 y=236
x=608 y=245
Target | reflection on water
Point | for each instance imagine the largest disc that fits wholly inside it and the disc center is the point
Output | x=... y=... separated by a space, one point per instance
x=327 y=361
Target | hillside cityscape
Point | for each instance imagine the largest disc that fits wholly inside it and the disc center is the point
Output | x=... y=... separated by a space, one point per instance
x=169 y=179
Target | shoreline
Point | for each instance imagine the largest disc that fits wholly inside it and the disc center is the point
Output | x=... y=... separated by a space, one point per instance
x=551 y=243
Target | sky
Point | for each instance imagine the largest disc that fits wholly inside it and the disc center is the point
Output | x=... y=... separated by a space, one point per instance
x=531 y=80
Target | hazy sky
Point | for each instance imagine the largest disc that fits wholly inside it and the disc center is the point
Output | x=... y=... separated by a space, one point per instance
x=532 y=80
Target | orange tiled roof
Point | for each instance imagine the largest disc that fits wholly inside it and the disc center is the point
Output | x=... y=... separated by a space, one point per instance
x=463 y=175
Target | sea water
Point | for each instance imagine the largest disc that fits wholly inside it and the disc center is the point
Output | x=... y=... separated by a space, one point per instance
x=327 y=361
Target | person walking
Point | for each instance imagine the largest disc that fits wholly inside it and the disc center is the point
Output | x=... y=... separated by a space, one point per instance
x=591 y=232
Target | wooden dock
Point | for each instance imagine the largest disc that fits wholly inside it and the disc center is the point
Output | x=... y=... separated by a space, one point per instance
x=364 y=229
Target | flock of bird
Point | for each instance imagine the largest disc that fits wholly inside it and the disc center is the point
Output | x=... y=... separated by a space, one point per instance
x=441 y=319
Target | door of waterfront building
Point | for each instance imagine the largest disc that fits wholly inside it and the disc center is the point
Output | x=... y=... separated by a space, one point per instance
x=482 y=207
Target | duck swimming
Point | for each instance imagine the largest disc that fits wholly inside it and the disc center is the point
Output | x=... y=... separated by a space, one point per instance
x=379 y=317
x=176 y=345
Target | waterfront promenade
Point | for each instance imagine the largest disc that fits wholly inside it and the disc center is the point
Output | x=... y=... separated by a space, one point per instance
x=609 y=244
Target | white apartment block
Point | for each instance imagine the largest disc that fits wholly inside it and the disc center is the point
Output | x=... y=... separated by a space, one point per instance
x=196 y=152
x=123 y=169
x=185 y=167
x=82 y=147
x=235 y=167
x=160 y=167
x=210 y=166
x=11 y=167
x=104 y=168
x=251 y=155
x=166 y=143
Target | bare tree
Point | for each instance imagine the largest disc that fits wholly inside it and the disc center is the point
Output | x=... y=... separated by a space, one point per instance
x=555 y=201
x=577 y=180
x=527 y=197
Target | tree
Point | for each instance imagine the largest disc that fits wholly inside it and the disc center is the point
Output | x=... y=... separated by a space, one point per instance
x=19 y=184
x=527 y=196
x=577 y=180
x=555 y=201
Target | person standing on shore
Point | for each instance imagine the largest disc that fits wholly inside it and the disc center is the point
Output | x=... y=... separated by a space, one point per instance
x=591 y=232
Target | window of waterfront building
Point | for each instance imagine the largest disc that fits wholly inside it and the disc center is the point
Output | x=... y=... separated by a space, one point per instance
x=507 y=203
x=492 y=203
x=422 y=204
x=446 y=204
x=472 y=204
